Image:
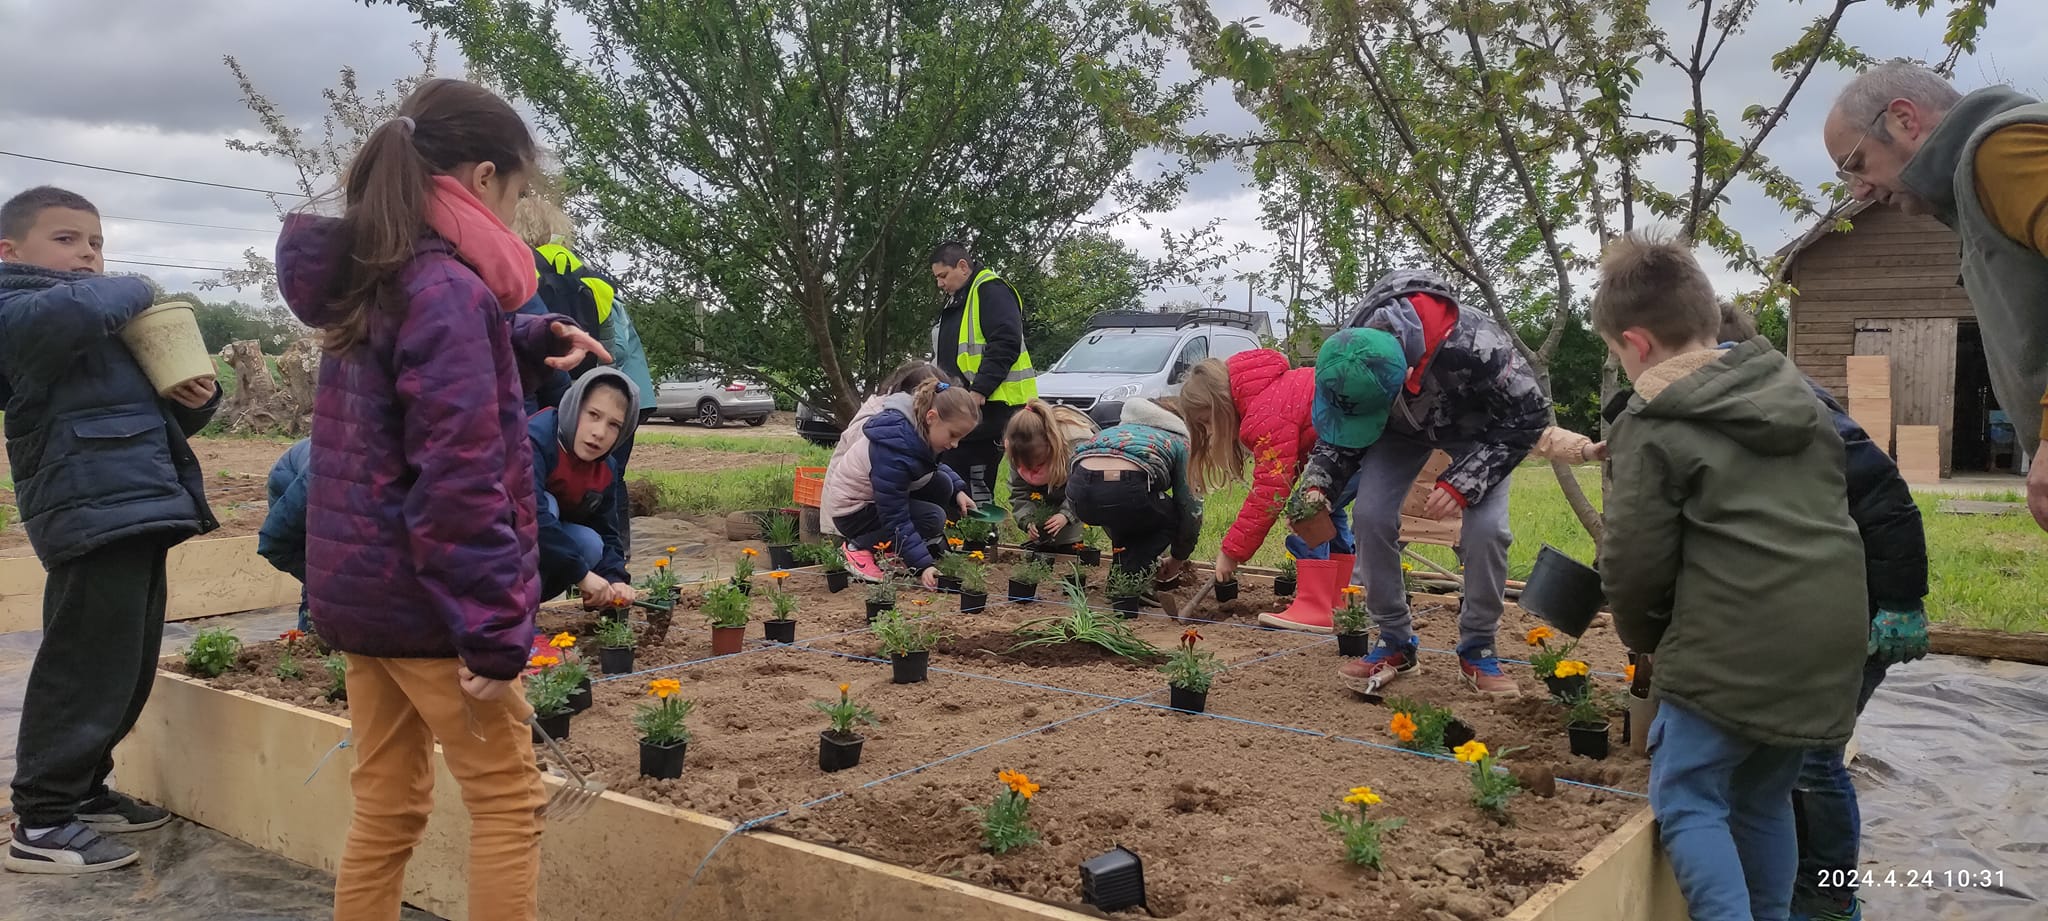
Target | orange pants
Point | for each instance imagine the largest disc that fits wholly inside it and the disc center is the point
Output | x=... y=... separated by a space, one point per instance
x=399 y=708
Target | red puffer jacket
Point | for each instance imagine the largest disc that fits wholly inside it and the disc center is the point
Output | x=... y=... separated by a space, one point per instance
x=1273 y=422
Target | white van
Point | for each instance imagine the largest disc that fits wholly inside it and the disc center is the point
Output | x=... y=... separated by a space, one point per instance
x=1126 y=355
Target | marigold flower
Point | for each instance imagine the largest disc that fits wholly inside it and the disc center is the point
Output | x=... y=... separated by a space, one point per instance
x=882 y=546
x=779 y=575
x=1190 y=637
x=540 y=661
x=1403 y=727
x=920 y=602
x=1407 y=566
x=661 y=563
x=976 y=556
x=663 y=687
x=670 y=550
x=844 y=687
x=1537 y=635
x=1037 y=496
x=955 y=542
x=1017 y=782
x=292 y=636
x=749 y=551
x=1471 y=752
x=1116 y=550
x=1353 y=590
x=1629 y=672
x=563 y=640
x=1363 y=796
x=1571 y=668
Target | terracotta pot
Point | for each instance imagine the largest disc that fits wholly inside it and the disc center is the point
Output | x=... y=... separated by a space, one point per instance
x=727 y=640
x=1317 y=529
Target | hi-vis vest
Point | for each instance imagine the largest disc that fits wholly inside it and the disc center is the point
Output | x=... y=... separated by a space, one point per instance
x=1020 y=386
x=568 y=264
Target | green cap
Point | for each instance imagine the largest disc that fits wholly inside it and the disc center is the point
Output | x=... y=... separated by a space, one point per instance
x=1358 y=375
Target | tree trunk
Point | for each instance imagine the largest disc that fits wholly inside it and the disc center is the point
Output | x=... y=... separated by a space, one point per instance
x=258 y=406
x=300 y=368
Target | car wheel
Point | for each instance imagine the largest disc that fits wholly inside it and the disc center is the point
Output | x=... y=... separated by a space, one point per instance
x=708 y=415
x=758 y=421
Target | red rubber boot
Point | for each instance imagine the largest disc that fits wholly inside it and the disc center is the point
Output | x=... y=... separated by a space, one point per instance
x=1318 y=584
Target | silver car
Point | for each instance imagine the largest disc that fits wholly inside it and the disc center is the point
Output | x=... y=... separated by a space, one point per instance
x=711 y=399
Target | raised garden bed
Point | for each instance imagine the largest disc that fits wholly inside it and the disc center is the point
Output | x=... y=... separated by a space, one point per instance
x=206 y=578
x=1223 y=808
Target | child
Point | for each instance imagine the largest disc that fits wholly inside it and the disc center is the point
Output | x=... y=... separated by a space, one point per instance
x=1132 y=481
x=1040 y=440
x=1748 y=589
x=896 y=490
x=421 y=539
x=1463 y=387
x=106 y=484
x=574 y=452
x=854 y=440
x=282 y=539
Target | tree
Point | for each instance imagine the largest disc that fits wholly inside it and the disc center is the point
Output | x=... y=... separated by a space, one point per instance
x=789 y=165
x=1091 y=272
x=1543 y=90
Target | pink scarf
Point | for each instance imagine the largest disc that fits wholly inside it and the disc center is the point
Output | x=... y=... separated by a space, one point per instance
x=484 y=243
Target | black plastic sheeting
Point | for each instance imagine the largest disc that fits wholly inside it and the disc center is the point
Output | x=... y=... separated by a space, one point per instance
x=1951 y=772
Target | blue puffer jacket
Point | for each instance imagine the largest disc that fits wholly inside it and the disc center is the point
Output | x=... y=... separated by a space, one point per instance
x=97 y=457
x=282 y=540
x=900 y=462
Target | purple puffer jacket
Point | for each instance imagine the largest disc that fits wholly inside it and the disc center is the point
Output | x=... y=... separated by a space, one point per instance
x=420 y=534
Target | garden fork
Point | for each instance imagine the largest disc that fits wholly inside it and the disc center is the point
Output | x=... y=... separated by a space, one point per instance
x=577 y=792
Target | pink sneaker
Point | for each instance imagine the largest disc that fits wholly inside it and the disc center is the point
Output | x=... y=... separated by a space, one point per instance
x=862 y=564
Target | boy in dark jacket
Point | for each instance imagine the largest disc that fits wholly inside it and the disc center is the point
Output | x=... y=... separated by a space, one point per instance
x=282 y=540
x=1465 y=389
x=574 y=476
x=1748 y=589
x=107 y=485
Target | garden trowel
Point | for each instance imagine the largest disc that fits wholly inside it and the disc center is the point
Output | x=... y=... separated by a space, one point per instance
x=1183 y=610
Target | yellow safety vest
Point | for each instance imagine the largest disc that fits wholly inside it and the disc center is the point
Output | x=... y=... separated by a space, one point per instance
x=1020 y=386
x=567 y=263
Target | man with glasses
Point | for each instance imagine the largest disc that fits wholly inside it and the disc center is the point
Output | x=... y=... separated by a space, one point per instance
x=1901 y=135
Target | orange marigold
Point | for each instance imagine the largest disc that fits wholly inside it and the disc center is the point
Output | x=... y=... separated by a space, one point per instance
x=1402 y=727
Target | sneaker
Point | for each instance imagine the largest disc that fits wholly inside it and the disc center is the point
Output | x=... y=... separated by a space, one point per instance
x=1854 y=912
x=1372 y=674
x=69 y=849
x=1483 y=674
x=862 y=564
x=120 y=813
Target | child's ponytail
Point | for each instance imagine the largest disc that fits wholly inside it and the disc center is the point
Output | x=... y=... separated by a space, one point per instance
x=1034 y=439
x=954 y=404
x=442 y=125
x=1216 y=456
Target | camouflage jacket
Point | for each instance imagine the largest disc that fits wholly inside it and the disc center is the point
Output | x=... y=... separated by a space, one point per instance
x=1478 y=399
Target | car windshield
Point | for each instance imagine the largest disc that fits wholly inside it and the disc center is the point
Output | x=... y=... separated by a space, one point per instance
x=1118 y=353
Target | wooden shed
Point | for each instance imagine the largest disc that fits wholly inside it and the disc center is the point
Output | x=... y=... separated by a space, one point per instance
x=1891 y=285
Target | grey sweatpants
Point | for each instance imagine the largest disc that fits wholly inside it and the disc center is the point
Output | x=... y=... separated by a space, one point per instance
x=1389 y=468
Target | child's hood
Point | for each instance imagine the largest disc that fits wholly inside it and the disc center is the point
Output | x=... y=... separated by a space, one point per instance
x=895 y=427
x=1145 y=412
x=572 y=408
x=1750 y=393
x=310 y=254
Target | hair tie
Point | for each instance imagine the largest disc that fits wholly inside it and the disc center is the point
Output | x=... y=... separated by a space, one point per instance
x=406 y=120
x=943 y=385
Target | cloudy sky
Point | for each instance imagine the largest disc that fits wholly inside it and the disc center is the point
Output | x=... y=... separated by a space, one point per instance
x=141 y=87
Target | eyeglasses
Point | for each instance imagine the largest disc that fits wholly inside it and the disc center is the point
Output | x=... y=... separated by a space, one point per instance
x=1842 y=170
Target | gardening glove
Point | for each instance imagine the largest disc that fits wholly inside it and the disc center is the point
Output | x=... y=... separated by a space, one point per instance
x=1898 y=636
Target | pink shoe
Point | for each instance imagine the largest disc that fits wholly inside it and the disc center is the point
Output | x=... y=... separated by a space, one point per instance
x=862 y=564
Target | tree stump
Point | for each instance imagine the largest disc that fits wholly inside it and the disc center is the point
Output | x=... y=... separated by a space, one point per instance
x=299 y=366
x=257 y=405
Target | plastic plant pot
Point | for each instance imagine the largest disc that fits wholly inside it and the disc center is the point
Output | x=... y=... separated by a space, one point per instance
x=836 y=582
x=1589 y=739
x=662 y=762
x=875 y=609
x=782 y=556
x=949 y=584
x=555 y=725
x=1562 y=592
x=1090 y=556
x=1283 y=586
x=973 y=602
x=579 y=699
x=1023 y=592
x=1128 y=607
x=1457 y=733
x=615 y=661
x=1113 y=881
x=1354 y=645
x=1181 y=698
x=746 y=588
x=780 y=630
x=836 y=752
x=1226 y=591
x=909 y=668
x=727 y=640
x=1564 y=689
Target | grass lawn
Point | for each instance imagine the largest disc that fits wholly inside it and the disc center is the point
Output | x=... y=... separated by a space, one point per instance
x=1987 y=571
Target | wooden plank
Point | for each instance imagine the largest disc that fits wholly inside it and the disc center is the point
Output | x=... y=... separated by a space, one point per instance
x=1979 y=507
x=206 y=578
x=1870 y=376
x=1923 y=379
x=1919 y=452
x=1870 y=258
x=1875 y=415
x=240 y=764
x=2031 y=648
x=1931 y=279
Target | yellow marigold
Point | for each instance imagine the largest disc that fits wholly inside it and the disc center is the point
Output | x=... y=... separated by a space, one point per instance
x=844 y=687
x=540 y=661
x=562 y=641
x=1037 y=496
x=661 y=563
x=1471 y=752
x=749 y=551
x=669 y=550
x=1629 y=672
x=976 y=556
x=1353 y=590
x=1363 y=796
x=779 y=575
x=663 y=687
x=1537 y=635
x=1570 y=668
x=1402 y=727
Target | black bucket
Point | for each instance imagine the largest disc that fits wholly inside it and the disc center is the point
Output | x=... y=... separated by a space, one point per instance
x=1562 y=592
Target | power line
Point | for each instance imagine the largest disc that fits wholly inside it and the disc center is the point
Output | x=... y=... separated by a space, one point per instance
x=170 y=265
x=147 y=256
x=150 y=220
x=127 y=172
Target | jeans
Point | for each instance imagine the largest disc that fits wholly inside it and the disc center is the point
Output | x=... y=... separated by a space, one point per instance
x=1141 y=522
x=979 y=455
x=931 y=506
x=558 y=575
x=400 y=708
x=621 y=503
x=1343 y=542
x=1824 y=802
x=1724 y=812
x=1389 y=468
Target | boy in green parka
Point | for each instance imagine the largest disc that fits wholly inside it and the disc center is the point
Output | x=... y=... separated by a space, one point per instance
x=1730 y=554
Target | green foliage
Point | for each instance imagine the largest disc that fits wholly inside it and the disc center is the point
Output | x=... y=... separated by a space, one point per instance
x=1492 y=786
x=1034 y=571
x=1543 y=662
x=660 y=585
x=337 y=674
x=844 y=712
x=1287 y=568
x=615 y=634
x=726 y=606
x=901 y=635
x=1352 y=618
x=288 y=667
x=780 y=528
x=1005 y=823
x=743 y=568
x=882 y=593
x=1430 y=722
x=661 y=723
x=547 y=693
x=784 y=604
x=213 y=652
x=1361 y=833
x=220 y=324
x=1130 y=583
x=1190 y=669
x=1588 y=707
x=1086 y=625
x=973 y=530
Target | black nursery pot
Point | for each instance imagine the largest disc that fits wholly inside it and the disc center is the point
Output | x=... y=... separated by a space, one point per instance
x=910 y=668
x=1090 y=556
x=662 y=762
x=1113 y=881
x=837 y=753
x=782 y=557
x=1589 y=739
x=970 y=546
x=746 y=588
x=1354 y=645
x=1127 y=607
x=949 y=584
x=1226 y=591
x=615 y=661
x=1023 y=592
x=973 y=602
x=1283 y=585
x=1565 y=688
x=556 y=726
x=1456 y=733
x=780 y=630
x=875 y=609
x=1562 y=591
x=1181 y=698
x=579 y=699
x=835 y=582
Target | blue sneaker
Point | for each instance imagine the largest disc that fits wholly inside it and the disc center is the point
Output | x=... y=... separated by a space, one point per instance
x=1379 y=668
x=1483 y=674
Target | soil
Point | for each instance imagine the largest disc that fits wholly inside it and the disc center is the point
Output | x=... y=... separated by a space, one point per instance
x=1224 y=811
x=236 y=470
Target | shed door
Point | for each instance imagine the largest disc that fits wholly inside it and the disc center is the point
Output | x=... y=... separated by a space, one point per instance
x=1923 y=359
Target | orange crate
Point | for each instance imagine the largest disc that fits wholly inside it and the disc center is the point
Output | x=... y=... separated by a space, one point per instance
x=810 y=486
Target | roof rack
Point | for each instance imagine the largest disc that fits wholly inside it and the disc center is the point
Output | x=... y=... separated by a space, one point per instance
x=1206 y=316
x=1221 y=316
